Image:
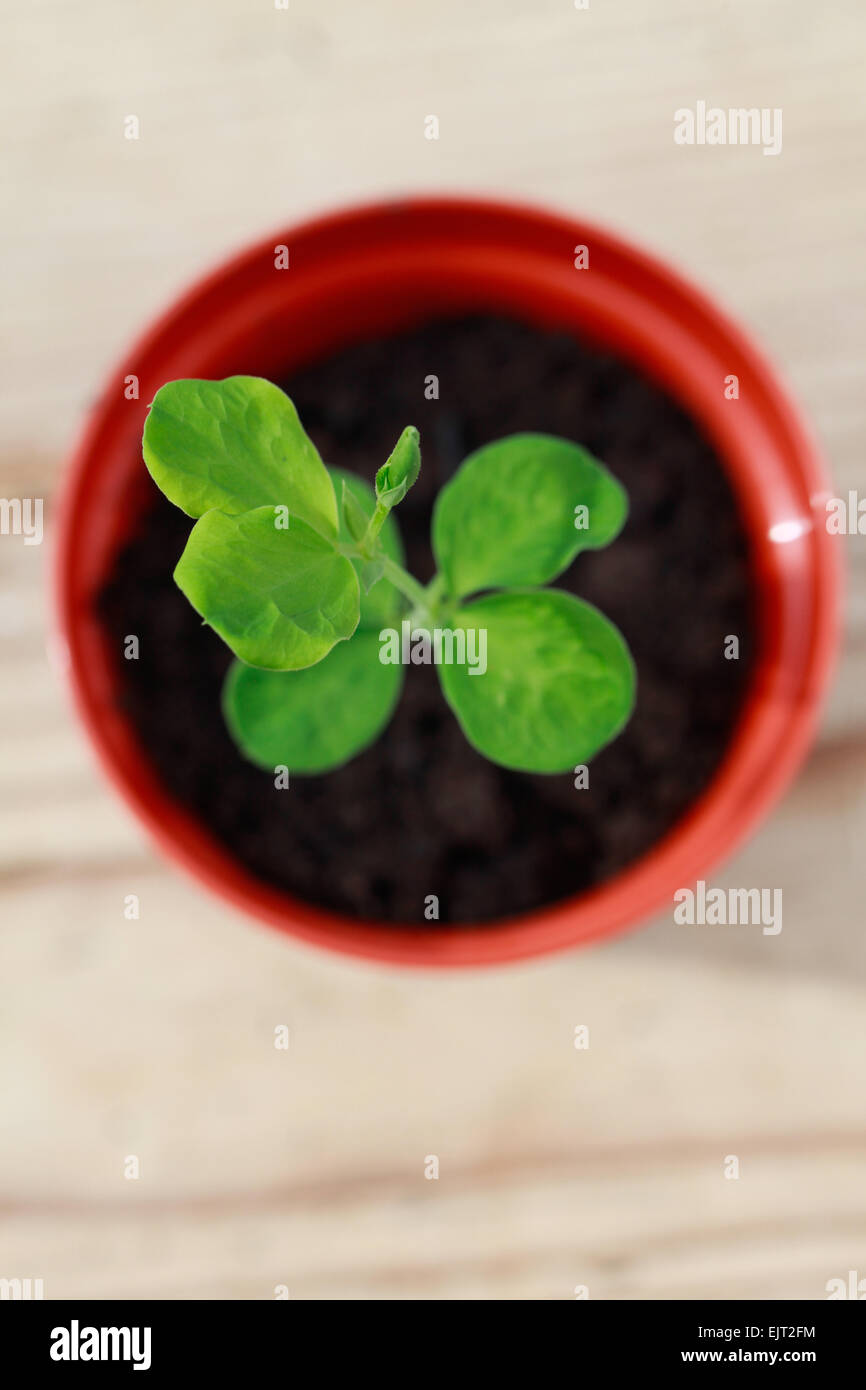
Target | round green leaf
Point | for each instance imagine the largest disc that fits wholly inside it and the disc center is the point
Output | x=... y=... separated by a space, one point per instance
x=559 y=683
x=312 y=720
x=235 y=445
x=510 y=516
x=383 y=603
x=280 y=598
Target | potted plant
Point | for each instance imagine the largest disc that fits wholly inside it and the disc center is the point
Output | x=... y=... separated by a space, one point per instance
x=475 y=826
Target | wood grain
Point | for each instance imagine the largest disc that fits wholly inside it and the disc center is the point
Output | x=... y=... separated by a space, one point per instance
x=155 y=1038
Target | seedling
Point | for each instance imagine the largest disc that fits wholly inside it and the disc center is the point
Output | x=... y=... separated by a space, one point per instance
x=301 y=586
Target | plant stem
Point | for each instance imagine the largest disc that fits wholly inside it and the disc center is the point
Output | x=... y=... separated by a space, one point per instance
x=434 y=591
x=417 y=595
x=374 y=526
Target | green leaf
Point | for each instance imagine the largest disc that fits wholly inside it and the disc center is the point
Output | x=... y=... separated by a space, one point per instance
x=371 y=572
x=559 y=684
x=383 y=604
x=235 y=445
x=313 y=720
x=280 y=598
x=508 y=516
x=400 y=470
x=353 y=518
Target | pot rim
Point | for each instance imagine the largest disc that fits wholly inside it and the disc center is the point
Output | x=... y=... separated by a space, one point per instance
x=683 y=332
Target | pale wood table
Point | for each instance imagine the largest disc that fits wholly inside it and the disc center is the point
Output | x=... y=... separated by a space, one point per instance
x=305 y=1168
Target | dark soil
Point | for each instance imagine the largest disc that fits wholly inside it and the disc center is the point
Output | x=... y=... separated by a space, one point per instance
x=420 y=812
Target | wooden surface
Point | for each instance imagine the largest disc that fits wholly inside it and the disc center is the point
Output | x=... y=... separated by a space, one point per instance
x=155 y=1038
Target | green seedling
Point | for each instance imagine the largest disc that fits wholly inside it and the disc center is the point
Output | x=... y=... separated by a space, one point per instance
x=299 y=569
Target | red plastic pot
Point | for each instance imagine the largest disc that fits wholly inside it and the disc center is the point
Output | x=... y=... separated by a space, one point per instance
x=386 y=266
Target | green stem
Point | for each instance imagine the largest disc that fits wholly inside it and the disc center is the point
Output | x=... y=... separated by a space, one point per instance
x=374 y=526
x=417 y=595
x=434 y=591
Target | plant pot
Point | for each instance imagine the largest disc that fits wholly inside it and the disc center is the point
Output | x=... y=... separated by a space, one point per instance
x=373 y=270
